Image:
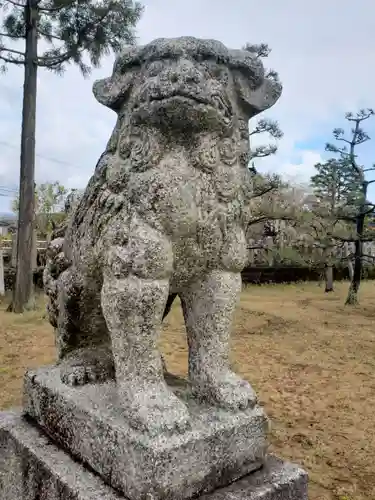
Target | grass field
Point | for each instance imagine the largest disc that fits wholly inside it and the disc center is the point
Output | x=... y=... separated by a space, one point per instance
x=310 y=358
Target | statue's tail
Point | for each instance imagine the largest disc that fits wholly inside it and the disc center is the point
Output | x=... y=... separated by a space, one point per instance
x=56 y=264
x=56 y=261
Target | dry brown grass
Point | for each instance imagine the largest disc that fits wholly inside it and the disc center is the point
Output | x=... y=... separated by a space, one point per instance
x=310 y=358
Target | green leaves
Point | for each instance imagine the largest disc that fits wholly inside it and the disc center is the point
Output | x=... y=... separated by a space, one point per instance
x=49 y=201
x=78 y=32
x=264 y=125
x=258 y=50
x=270 y=127
x=336 y=185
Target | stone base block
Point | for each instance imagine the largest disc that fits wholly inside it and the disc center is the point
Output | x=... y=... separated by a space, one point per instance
x=31 y=467
x=87 y=422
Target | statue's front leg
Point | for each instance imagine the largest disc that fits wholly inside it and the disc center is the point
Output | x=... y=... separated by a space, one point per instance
x=208 y=307
x=134 y=295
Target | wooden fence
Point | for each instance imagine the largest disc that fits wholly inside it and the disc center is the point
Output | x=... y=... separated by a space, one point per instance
x=9 y=251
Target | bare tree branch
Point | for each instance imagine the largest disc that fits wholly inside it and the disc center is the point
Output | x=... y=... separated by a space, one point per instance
x=11 y=60
x=12 y=51
x=353 y=239
x=342 y=139
x=263 y=218
x=368 y=256
x=10 y=36
x=51 y=9
x=16 y=4
x=48 y=35
x=259 y=248
x=364 y=116
x=257 y=194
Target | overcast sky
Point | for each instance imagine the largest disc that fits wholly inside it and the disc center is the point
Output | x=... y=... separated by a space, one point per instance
x=324 y=52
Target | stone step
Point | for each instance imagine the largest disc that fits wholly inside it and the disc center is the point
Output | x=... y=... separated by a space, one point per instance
x=31 y=467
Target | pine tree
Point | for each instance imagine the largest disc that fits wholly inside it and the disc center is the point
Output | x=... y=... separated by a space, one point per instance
x=360 y=208
x=53 y=33
x=264 y=125
x=336 y=188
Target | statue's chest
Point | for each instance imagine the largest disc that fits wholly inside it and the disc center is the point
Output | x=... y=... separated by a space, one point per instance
x=185 y=200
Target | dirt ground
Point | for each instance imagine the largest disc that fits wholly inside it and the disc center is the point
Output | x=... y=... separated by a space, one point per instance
x=310 y=358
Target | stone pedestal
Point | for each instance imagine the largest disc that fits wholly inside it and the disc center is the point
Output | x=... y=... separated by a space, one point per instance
x=31 y=467
x=220 y=447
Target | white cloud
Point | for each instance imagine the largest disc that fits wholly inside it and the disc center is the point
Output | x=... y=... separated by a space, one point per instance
x=301 y=170
x=322 y=50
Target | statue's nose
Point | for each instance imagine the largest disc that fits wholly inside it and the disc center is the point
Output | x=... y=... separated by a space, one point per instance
x=184 y=72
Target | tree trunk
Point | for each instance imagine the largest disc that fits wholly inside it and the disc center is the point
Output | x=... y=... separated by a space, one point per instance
x=352 y=297
x=328 y=276
x=24 y=273
x=349 y=262
x=328 y=268
x=2 y=282
x=14 y=250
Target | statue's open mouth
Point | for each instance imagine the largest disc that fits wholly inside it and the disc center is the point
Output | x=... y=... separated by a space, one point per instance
x=182 y=96
x=215 y=101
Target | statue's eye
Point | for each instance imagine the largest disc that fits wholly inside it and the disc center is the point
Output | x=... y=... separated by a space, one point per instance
x=219 y=73
x=199 y=57
x=127 y=65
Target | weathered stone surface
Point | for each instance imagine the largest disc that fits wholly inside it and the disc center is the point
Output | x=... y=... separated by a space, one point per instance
x=164 y=213
x=32 y=467
x=219 y=448
x=277 y=480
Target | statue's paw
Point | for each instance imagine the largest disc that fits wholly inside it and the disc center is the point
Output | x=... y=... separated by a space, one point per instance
x=87 y=366
x=79 y=375
x=154 y=409
x=74 y=375
x=225 y=389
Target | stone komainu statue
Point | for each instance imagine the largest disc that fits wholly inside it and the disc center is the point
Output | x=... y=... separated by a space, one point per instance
x=164 y=213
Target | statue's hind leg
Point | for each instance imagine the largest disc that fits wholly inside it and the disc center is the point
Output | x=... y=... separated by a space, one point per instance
x=83 y=344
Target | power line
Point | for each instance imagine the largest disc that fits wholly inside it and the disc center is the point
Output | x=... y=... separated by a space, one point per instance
x=54 y=160
x=9 y=192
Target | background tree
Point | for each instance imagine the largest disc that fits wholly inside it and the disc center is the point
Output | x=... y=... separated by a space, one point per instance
x=264 y=125
x=359 y=207
x=268 y=184
x=69 y=31
x=49 y=206
x=335 y=187
x=276 y=208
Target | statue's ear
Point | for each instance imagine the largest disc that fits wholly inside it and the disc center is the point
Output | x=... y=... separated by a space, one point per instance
x=255 y=99
x=113 y=91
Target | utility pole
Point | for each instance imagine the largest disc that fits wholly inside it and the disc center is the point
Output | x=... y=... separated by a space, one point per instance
x=24 y=269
